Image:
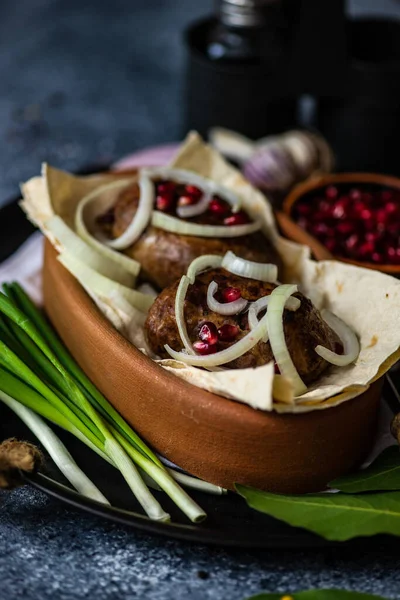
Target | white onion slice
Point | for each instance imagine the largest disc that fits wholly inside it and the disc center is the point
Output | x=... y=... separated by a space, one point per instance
x=180 y=313
x=251 y=270
x=259 y=305
x=193 y=210
x=99 y=284
x=141 y=217
x=200 y=264
x=92 y=206
x=227 y=355
x=228 y=308
x=348 y=338
x=175 y=225
x=72 y=243
x=274 y=315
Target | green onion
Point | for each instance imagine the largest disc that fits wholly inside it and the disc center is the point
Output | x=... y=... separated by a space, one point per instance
x=51 y=383
x=30 y=398
x=21 y=299
x=56 y=450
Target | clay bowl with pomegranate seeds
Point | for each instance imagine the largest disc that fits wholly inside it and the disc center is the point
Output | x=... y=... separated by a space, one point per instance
x=219 y=440
x=352 y=217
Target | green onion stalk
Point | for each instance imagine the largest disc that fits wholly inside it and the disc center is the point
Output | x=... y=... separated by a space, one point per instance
x=38 y=371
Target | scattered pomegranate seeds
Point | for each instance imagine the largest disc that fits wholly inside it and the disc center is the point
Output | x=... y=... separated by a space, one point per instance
x=239 y=218
x=186 y=200
x=219 y=207
x=208 y=333
x=192 y=190
x=164 y=202
x=170 y=195
x=361 y=223
x=204 y=348
x=165 y=187
x=230 y=294
x=228 y=333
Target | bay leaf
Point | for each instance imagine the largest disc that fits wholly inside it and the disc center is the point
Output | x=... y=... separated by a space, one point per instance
x=317 y=595
x=382 y=474
x=336 y=517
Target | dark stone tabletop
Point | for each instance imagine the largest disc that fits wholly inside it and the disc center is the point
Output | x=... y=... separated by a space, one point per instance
x=84 y=82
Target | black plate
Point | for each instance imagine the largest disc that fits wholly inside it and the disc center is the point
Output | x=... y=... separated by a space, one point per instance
x=230 y=522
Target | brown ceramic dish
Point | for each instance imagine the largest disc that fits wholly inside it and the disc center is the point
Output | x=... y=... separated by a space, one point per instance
x=219 y=440
x=291 y=230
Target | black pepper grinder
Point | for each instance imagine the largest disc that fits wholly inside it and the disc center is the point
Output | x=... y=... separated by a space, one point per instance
x=236 y=70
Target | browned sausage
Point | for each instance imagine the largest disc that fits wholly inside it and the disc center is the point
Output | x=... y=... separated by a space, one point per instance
x=165 y=256
x=304 y=328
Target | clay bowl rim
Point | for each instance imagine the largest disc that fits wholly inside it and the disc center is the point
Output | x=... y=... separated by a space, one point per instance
x=290 y=227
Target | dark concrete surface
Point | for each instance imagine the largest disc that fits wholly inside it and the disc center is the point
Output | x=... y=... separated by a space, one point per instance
x=87 y=81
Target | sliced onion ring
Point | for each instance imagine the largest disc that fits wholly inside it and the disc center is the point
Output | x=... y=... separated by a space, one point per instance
x=92 y=206
x=180 y=313
x=200 y=264
x=99 y=284
x=68 y=240
x=175 y=225
x=193 y=210
x=251 y=270
x=228 y=308
x=274 y=315
x=141 y=217
x=348 y=338
x=227 y=355
x=262 y=303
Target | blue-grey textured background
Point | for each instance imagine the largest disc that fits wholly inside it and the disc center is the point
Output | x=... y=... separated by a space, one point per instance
x=87 y=81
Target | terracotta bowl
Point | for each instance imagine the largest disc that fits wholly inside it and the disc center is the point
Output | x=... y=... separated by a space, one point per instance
x=291 y=230
x=214 y=438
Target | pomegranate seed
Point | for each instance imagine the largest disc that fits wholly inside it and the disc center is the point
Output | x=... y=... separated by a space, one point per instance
x=186 y=200
x=345 y=228
x=166 y=187
x=219 y=207
x=228 y=333
x=366 y=249
x=320 y=229
x=338 y=212
x=377 y=257
x=208 y=333
x=366 y=214
x=239 y=218
x=381 y=216
x=391 y=208
x=230 y=294
x=352 y=241
x=372 y=237
x=192 y=190
x=164 y=202
x=204 y=348
x=331 y=192
x=355 y=194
